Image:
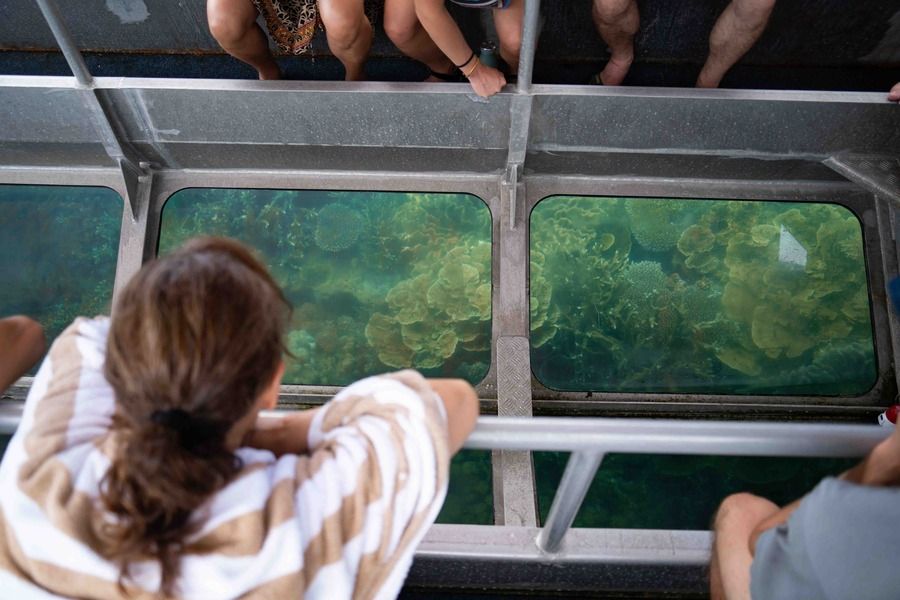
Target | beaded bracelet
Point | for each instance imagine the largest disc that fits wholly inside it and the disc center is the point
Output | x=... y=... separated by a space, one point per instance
x=468 y=60
x=472 y=70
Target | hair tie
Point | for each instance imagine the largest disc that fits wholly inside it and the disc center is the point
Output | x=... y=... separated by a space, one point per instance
x=173 y=418
x=194 y=433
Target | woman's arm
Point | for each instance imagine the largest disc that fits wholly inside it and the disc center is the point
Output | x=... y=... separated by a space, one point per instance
x=288 y=434
x=485 y=80
x=461 y=404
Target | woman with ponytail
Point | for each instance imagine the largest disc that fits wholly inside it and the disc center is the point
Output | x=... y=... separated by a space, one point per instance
x=143 y=469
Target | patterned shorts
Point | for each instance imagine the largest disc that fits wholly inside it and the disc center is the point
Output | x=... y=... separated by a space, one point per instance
x=292 y=23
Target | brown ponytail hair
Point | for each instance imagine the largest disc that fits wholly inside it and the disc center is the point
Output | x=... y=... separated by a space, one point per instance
x=196 y=337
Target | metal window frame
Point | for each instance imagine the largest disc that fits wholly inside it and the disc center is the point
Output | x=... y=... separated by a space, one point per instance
x=865 y=206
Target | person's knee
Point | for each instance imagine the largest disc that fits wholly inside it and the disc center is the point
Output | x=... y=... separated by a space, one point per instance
x=343 y=24
x=401 y=33
x=25 y=335
x=226 y=25
x=612 y=12
x=753 y=13
x=742 y=508
x=510 y=45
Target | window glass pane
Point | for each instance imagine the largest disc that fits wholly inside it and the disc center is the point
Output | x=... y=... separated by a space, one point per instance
x=58 y=249
x=649 y=491
x=731 y=297
x=378 y=281
x=470 y=495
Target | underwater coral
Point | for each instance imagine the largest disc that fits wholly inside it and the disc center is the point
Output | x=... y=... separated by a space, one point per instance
x=739 y=297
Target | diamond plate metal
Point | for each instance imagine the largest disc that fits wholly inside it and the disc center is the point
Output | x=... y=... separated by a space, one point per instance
x=513 y=377
x=878 y=174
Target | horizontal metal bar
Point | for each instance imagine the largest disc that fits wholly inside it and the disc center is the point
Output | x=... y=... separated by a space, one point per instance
x=653 y=562
x=584 y=545
x=161 y=83
x=643 y=436
x=670 y=436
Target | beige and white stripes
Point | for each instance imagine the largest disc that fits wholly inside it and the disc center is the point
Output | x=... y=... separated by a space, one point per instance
x=341 y=522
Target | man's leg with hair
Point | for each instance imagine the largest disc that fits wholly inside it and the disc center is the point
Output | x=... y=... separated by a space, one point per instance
x=349 y=34
x=735 y=32
x=508 y=23
x=403 y=28
x=729 y=569
x=21 y=345
x=617 y=21
x=233 y=24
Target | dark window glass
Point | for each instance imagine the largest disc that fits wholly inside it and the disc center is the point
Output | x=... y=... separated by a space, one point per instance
x=470 y=496
x=378 y=281
x=58 y=249
x=649 y=491
x=730 y=297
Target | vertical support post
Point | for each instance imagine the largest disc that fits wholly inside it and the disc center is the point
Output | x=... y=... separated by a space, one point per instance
x=570 y=494
x=531 y=29
x=102 y=117
x=140 y=229
x=66 y=44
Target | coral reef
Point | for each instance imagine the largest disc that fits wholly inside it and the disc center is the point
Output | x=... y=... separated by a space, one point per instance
x=657 y=225
x=337 y=227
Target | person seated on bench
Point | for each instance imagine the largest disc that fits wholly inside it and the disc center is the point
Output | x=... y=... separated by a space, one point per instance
x=21 y=345
x=440 y=26
x=839 y=541
x=737 y=29
x=142 y=466
x=292 y=24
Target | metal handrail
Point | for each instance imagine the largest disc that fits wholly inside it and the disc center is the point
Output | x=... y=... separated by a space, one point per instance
x=589 y=439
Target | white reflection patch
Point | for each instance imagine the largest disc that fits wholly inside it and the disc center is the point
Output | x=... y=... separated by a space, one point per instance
x=790 y=251
x=128 y=11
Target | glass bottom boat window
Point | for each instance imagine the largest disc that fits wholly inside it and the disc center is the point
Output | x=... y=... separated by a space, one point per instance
x=646 y=491
x=58 y=250
x=470 y=496
x=378 y=281
x=699 y=296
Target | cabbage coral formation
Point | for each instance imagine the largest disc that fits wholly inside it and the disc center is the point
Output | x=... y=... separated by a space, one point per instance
x=789 y=309
x=445 y=306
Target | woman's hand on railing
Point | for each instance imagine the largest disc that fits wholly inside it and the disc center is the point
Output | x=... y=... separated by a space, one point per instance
x=485 y=80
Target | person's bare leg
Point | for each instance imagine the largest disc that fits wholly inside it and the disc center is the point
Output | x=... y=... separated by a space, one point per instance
x=617 y=21
x=21 y=345
x=403 y=28
x=233 y=24
x=349 y=34
x=729 y=569
x=735 y=32
x=508 y=23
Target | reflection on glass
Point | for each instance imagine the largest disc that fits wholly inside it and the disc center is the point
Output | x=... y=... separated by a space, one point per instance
x=734 y=297
x=647 y=491
x=378 y=281
x=58 y=248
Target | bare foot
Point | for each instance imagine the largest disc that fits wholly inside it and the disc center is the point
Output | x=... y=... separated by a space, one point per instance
x=355 y=74
x=615 y=70
x=706 y=81
x=270 y=72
